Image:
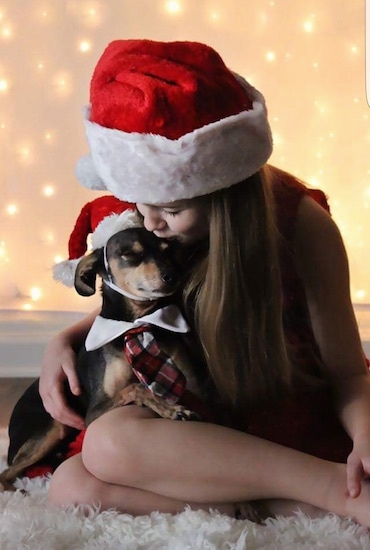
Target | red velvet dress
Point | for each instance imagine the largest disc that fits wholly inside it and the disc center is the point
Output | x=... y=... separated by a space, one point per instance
x=306 y=420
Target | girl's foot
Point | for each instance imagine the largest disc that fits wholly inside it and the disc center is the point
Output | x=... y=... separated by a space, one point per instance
x=358 y=508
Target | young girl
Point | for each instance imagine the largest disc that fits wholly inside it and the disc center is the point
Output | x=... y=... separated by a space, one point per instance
x=173 y=130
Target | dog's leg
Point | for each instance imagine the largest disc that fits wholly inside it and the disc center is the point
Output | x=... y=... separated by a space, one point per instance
x=138 y=394
x=31 y=452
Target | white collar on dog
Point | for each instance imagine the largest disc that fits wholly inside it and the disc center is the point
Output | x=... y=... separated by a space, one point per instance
x=105 y=330
x=127 y=294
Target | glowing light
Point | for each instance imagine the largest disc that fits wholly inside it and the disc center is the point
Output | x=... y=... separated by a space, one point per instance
x=41 y=66
x=360 y=294
x=58 y=259
x=62 y=84
x=48 y=136
x=278 y=140
x=6 y=33
x=89 y=13
x=173 y=7
x=320 y=107
x=3 y=256
x=4 y=85
x=270 y=56
x=48 y=190
x=84 y=46
x=27 y=307
x=25 y=154
x=354 y=49
x=308 y=26
x=215 y=16
x=35 y=293
x=314 y=182
x=12 y=209
x=49 y=238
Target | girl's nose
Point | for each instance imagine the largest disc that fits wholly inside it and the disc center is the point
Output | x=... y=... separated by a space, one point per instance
x=153 y=222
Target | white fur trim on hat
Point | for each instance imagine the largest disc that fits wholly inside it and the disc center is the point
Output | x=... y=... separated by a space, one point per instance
x=148 y=168
x=65 y=271
x=87 y=174
x=113 y=224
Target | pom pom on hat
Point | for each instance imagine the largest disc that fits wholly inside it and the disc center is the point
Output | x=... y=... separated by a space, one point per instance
x=169 y=121
x=102 y=218
x=87 y=174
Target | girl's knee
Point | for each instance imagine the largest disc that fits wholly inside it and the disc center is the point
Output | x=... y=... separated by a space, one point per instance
x=113 y=445
x=72 y=484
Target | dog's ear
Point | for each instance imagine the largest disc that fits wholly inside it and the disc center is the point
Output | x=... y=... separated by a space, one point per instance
x=87 y=270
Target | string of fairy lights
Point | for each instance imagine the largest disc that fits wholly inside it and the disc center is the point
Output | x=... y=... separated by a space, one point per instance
x=308 y=60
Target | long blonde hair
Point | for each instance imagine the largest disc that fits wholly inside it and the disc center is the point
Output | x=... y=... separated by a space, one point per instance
x=235 y=292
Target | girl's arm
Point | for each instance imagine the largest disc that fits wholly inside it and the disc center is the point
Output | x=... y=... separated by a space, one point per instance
x=322 y=263
x=59 y=365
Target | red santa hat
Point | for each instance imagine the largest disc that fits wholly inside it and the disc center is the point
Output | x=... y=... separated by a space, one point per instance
x=102 y=218
x=169 y=121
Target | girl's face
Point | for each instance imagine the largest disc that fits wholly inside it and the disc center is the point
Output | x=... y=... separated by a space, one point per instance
x=184 y=220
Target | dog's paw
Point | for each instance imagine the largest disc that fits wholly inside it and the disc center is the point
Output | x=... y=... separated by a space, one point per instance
x=128 y=395
x=180 y=413
x=6 y=486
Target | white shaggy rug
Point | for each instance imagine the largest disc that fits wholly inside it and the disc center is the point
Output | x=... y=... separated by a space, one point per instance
x=27 y=522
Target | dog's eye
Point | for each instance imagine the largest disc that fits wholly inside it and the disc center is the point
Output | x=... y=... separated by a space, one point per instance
x=131 y=256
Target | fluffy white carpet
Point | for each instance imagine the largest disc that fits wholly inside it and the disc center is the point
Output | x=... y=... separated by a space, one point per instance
x=27 y=522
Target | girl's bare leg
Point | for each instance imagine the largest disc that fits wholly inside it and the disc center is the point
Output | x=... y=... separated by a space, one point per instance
x=194 y=462
x=84 y=488
x=199 y=462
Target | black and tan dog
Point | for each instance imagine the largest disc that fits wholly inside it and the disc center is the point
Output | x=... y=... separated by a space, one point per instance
x=149 y=271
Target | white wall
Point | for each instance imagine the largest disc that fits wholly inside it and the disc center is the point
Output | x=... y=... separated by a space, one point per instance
x=24 y=335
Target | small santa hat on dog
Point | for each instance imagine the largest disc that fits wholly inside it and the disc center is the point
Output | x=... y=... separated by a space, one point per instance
x=169 y=121
x=102 y=218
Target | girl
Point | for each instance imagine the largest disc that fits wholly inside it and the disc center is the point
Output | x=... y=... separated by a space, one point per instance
x=173 y=130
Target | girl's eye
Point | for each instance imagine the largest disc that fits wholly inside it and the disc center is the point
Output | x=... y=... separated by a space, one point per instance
x=172 y=213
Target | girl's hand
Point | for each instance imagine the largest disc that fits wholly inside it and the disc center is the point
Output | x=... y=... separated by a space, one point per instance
x=59 y=365
x=358 y=465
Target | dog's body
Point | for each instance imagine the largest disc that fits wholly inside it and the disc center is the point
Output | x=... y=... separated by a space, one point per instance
x=147 y=269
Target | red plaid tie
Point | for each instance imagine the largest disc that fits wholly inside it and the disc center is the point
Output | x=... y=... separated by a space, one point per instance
x=153 y=368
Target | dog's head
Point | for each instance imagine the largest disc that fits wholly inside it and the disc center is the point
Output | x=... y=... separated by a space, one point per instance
x=137 y=262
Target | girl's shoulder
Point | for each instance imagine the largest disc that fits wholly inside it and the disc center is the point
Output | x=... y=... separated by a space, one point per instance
x=288 y=192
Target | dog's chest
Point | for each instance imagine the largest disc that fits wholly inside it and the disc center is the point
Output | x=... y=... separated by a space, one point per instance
x=118 y=372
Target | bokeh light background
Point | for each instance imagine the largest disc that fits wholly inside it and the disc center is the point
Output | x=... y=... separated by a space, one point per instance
x=306 y=56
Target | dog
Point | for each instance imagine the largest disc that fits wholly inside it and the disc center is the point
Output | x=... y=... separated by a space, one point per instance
x=141 y=276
